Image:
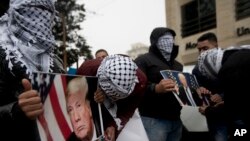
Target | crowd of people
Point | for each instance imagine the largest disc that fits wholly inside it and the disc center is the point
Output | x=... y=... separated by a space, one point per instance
x=124 y=84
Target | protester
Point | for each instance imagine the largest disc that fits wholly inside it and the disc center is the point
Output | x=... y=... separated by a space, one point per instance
x=79 y=110
x=121 y=87
x=26 y=45
x=101 y=53
x=160 y=109
x=205 y=42
x=231 y=67
x=215 y=114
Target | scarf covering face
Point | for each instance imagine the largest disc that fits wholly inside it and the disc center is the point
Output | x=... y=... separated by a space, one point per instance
x=117 y=76
x=165 y=45
x=209 y=62
x=26 y=34
x=238 y=48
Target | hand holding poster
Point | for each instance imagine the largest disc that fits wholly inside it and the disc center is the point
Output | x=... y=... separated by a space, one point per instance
x=69 y=110
x=187 y=96
x=186 y=87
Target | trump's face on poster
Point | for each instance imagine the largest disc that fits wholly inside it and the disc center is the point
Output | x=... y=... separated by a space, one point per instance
x=79 y=111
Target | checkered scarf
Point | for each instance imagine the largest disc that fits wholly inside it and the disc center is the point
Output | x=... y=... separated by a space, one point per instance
x=117 y=76
x=26 y=34
x=165 y=45
x=209 y=62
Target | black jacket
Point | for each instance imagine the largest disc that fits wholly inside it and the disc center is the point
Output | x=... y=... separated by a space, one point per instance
x=14 y=125
x=155 y=105
x=234 y=76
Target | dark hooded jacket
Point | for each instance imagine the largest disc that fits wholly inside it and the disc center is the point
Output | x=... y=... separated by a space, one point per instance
x=158 y=105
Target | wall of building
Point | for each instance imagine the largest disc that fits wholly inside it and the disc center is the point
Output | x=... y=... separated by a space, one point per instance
x=229 y=31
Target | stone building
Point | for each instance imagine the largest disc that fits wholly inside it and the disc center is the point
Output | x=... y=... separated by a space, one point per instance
x=228 y=19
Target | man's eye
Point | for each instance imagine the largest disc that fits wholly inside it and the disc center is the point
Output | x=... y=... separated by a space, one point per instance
x=69 y=110
x=78 y=105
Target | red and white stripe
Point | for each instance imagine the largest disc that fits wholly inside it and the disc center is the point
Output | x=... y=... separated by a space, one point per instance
x=54 y=124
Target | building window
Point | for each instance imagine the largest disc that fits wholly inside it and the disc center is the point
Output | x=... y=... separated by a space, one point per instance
x=198 y=16
x=242 y=9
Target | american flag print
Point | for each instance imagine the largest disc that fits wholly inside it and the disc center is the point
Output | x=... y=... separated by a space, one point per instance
x=191 y=82
x=170 y=74
x=54 y=124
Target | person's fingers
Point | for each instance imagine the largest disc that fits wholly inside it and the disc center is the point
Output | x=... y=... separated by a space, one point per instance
x=199 y=109
x=110 y=134
x=99 y=97
x=202 y=90
x=26 y=84
x=30 y=102
x=34 y=114
x=202 y=110
x=27 y=98
x=33 y=107
x=98 y=100
x=219 y=103
x=216 y=98
x=165 y=86
x=28 y=92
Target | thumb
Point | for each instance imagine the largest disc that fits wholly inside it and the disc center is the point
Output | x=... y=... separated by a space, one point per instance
x=26 y=84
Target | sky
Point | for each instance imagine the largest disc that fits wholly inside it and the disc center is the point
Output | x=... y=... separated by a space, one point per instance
x=115 y=25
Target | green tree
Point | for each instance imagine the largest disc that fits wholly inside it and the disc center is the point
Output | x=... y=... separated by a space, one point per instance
x=71 y=15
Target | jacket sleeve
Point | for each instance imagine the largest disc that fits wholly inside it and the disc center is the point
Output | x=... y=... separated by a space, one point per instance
x=215 y=113
x=5 y=111
x=10 y=112
x=9 y=87
x=9 y=109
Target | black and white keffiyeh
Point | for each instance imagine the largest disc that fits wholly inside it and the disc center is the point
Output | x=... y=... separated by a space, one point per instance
x=26 y=34
x=165 y=45
x=238 y=48
x=209 y=62
x=117 y=78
